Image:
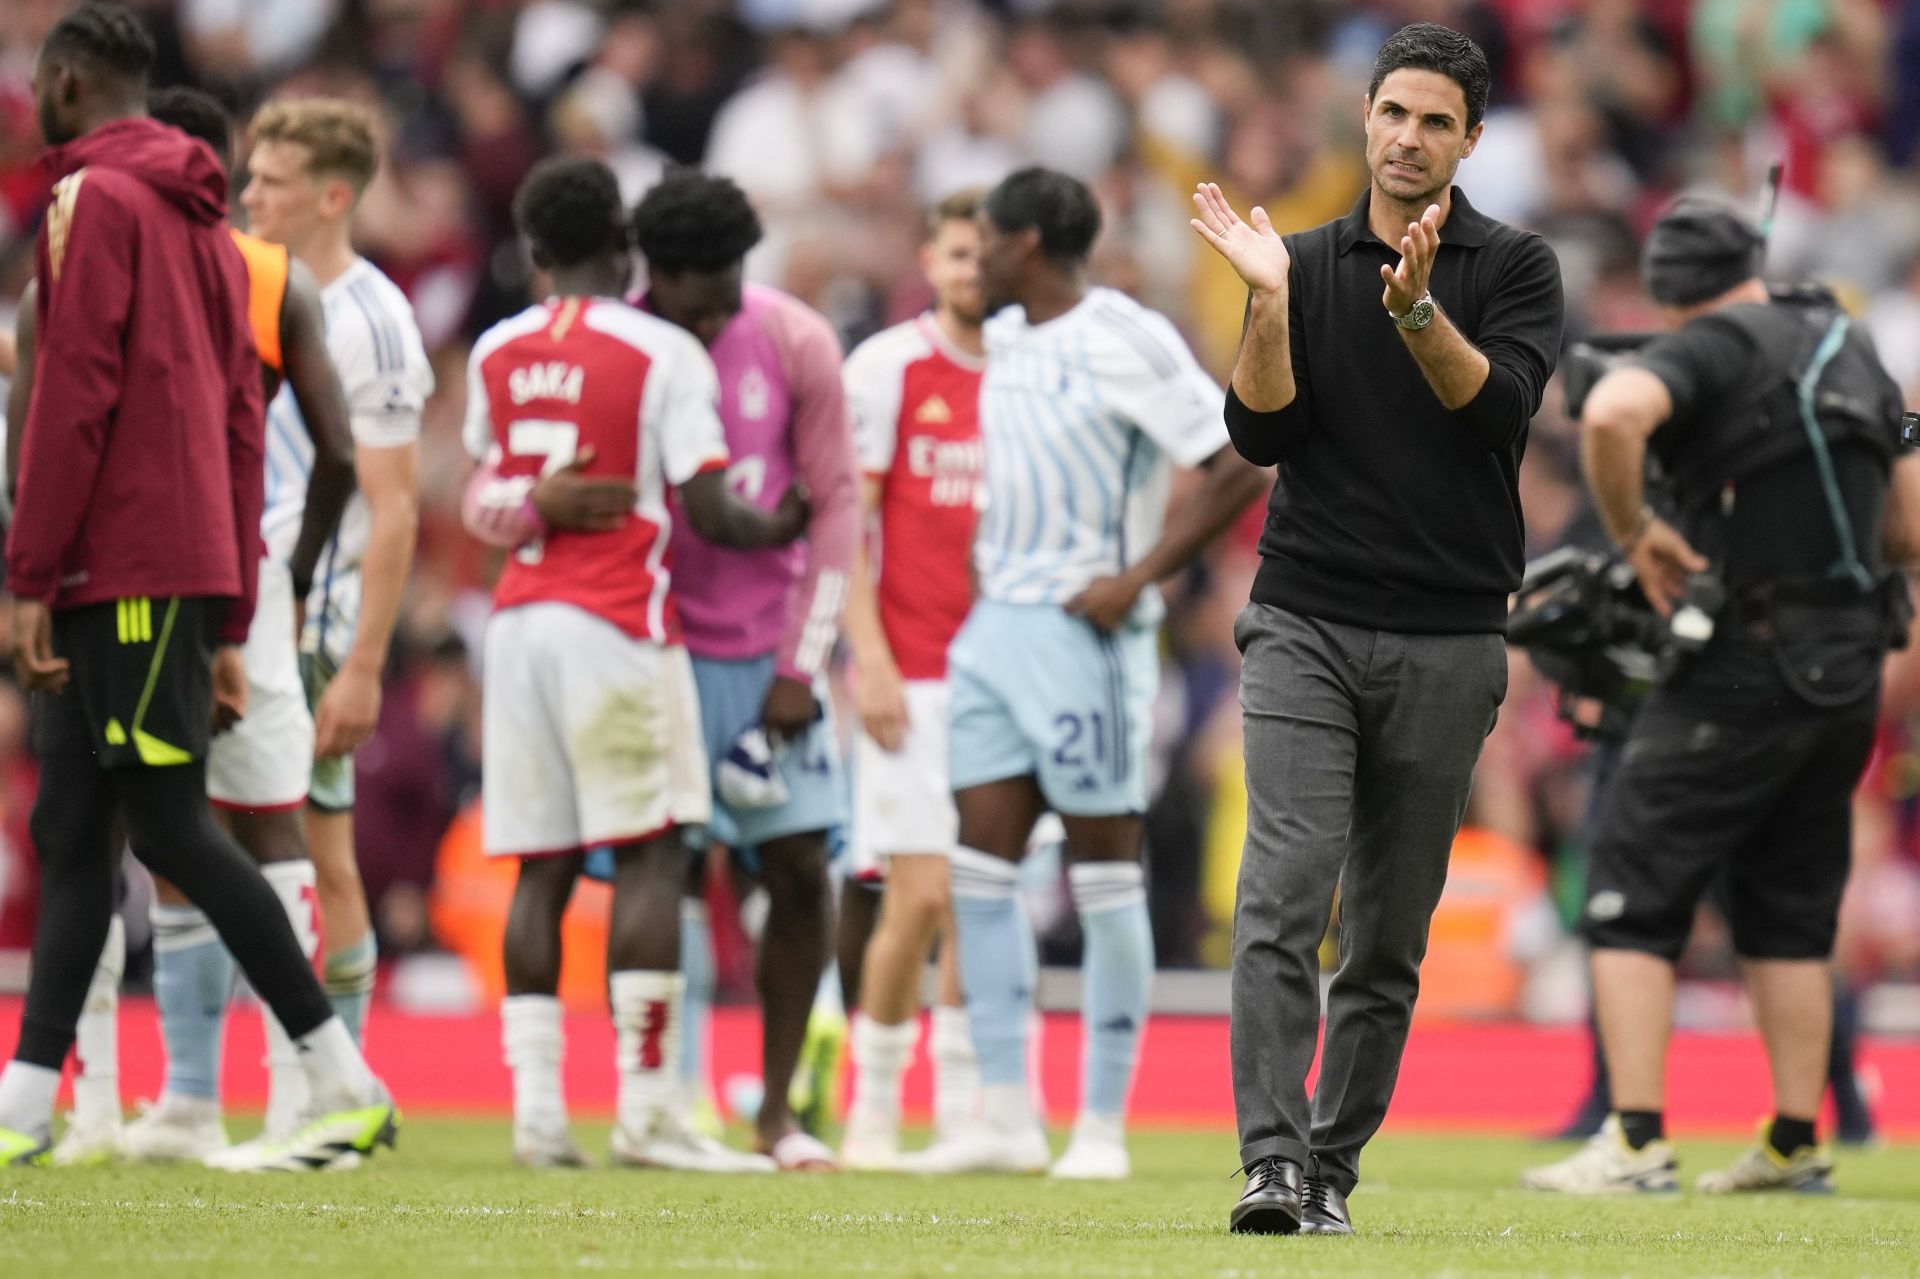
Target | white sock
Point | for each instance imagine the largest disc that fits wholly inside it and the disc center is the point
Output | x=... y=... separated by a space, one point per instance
x=96 y=1043
x=1007 y=1108
x=26 y=1098
x=956 y=1072
x=1036 y=1075
x=534 y=1040
x=337 y=1075
x=287 y=1093
x=881 y=1054
x=646 y=1027
x=294 y=884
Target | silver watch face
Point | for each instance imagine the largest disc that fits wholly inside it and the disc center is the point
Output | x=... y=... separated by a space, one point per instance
x=1418 y=316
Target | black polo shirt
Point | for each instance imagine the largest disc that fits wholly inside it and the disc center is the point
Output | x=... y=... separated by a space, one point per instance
x=1392 y=511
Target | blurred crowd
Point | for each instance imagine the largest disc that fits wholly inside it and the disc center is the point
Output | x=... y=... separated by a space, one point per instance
x=844 y=118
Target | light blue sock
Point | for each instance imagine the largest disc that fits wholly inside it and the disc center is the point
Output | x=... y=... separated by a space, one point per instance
x=998 y=963
x=192 y=981
x=1118 y=962
x=349 y=982
x=696 y=994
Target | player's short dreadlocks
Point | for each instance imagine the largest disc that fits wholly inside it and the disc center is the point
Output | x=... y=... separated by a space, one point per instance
x=196 y=113
x=569 y=207
x=694 y=221
x=108 y=36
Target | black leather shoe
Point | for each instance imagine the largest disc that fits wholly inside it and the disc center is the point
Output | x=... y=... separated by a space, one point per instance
x=1270 y=1205
x=1323 y=1210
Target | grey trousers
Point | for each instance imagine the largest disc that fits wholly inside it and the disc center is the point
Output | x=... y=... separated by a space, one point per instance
x=1360 y=749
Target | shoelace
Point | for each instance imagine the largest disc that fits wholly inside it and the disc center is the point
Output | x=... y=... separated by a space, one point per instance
x=1314 y=1195
x=1261 y=1170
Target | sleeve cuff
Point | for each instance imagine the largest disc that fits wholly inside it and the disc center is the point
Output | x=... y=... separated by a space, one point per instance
x=1490 y=415
x=31 y=587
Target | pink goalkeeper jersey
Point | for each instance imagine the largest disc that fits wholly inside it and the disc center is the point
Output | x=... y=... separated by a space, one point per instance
x=785 y=415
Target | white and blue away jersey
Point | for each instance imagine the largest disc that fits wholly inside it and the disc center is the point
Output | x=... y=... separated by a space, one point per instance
x=382 y=363
x=1083 y=418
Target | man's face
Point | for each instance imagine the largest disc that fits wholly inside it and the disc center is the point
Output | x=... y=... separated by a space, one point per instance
x=284 y=199
x=1417 y=134
x=701 y=302
x=56 y=92
x=952 y=262
x=1002 y=258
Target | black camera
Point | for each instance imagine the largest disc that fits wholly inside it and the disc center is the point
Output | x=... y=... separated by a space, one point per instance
x=1586 y=626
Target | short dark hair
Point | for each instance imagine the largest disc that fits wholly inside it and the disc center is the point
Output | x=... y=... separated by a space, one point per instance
x=108 y=36
x=569 y=207
x=961 y=206
x=1428 y=46
x=694 y=221
x=1057 y=205
x=196 y=113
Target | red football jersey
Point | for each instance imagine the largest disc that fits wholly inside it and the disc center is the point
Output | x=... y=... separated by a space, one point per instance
x=575 y=372
x=916 y=412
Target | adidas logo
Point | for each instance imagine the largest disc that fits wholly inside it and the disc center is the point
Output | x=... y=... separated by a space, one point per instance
x=933 y=409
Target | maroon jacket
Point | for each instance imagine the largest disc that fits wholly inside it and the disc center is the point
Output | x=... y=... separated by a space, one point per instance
x=141 y=467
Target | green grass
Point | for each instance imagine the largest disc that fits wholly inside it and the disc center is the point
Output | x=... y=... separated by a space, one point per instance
x=448 y=1204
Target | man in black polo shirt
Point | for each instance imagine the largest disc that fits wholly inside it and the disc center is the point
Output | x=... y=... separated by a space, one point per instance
x=1391 y=363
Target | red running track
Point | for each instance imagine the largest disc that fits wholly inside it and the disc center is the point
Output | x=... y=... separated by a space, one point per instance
x=1500 y=1078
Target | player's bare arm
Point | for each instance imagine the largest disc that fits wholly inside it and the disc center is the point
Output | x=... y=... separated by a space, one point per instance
x=350 y=707
x=570 y=499
x=1228 y=484
x=879 y=694
x=724 y=519
x=1453 y=366
x=1263 y=373
x=323 y=408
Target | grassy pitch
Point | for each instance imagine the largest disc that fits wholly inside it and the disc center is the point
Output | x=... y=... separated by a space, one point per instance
x=448 y=1204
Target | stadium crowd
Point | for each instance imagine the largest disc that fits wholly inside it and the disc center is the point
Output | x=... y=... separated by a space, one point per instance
x=844 y=119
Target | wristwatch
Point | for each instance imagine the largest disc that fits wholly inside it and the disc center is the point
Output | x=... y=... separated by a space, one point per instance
x=1418 y=316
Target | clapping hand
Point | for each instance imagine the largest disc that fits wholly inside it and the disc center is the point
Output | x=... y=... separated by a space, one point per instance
x=1407 y=283
x=1254 y=250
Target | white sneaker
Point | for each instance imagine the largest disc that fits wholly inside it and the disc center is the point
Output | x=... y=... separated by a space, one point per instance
x=671 y=1141
x=555 y=1148
x=174 y=1129
x=1606 y=1165
x=871 y=1143
x=983 y=1150
x=1809 y=1171
x=1098 y=1152
x=83 y=1146
x=337 y=1140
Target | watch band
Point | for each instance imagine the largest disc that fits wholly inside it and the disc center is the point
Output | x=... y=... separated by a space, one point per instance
x=1418 y=316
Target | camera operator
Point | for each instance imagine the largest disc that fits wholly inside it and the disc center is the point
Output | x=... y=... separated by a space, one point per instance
x=1779 y=432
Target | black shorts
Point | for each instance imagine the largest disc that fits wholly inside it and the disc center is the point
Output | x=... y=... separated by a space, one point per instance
x=140 y=693
x=1762 y=792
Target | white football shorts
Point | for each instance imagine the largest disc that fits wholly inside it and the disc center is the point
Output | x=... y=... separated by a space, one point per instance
x=589 y=736
x=902 y=800
x=264 y=762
